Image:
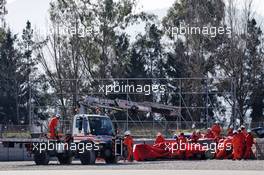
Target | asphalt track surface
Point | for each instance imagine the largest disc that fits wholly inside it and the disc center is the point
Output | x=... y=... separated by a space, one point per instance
x=131 y=172
x=253 y=165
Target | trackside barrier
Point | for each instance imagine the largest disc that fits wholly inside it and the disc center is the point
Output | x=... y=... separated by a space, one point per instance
x=260 y=149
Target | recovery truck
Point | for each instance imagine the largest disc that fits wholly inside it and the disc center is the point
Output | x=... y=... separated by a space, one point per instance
x=92 y=136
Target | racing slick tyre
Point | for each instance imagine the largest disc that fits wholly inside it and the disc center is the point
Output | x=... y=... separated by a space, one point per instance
x=88 y=157
x=203 y=157
x=209 y=154
x=200 y=156
x=41 y=158
x=65 y=159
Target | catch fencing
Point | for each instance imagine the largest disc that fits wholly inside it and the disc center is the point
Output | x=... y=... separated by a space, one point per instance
x=140 y=129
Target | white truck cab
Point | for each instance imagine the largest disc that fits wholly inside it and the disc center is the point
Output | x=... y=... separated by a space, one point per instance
x=91 y=125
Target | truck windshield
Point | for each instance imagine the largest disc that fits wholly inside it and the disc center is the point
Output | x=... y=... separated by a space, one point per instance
x=101 y=126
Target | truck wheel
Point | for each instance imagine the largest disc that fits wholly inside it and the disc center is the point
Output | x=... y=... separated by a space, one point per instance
x=111 y=160
x=65 y=159
x=41 y=158
x=88 y=157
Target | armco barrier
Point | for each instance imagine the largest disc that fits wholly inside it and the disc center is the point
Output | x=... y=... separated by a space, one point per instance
x=260 y=149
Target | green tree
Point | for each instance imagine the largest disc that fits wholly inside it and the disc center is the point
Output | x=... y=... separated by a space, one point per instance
x=188 y=55
x=33 y=84
x=12 y=77
x=254 y=70
x=3 y=11
x=240 y=58
x=98 y=47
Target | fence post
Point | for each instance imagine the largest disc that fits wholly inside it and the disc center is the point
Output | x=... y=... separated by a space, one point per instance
x=1 y=131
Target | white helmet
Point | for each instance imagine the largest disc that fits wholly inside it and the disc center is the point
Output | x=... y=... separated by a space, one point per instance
x=249 y=130
x=127 y=133
x=159 y=134
x=235 y=132
x=58 y=116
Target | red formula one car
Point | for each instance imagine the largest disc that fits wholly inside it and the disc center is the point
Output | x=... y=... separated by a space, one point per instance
x=173 y=149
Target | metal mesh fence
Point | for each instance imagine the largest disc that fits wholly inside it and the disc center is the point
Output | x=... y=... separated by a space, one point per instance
x=149 y=129
x=142 y=129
